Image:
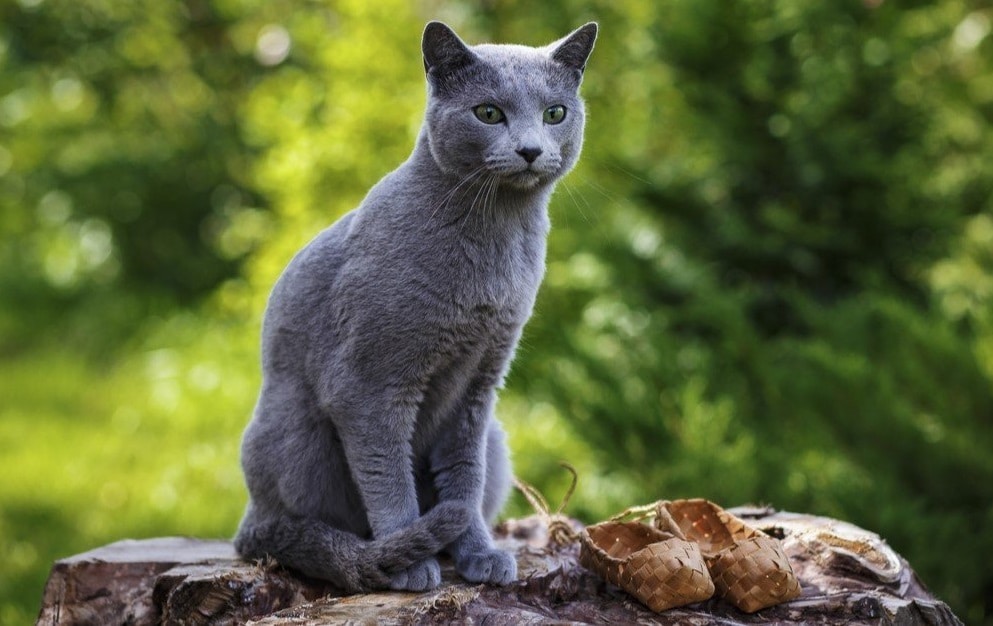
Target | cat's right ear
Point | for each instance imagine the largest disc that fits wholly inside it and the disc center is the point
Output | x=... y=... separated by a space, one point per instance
x=444 y=53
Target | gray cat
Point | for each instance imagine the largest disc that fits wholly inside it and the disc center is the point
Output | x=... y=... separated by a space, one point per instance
x=373 y=446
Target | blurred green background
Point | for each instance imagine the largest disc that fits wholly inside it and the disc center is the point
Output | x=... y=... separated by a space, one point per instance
x=769 y=280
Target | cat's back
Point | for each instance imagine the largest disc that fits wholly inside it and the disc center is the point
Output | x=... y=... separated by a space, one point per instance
x=303 y=284
x=350 y=248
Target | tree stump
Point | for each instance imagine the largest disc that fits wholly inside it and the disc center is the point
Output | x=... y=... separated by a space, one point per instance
x=848 y=575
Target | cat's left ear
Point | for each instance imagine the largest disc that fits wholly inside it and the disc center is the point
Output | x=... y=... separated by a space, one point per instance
x=574 y=49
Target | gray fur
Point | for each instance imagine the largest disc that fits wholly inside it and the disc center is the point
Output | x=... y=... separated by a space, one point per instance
x=374 y=446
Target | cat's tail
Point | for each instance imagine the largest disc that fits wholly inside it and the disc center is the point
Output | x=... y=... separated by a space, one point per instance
x=357 y=565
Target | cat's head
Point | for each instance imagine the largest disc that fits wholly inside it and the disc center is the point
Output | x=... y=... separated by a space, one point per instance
x=510 y=111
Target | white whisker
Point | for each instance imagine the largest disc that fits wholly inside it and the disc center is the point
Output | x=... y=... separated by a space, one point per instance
x=603 y=191
x=490 y=200
x=573 y=195
x=480 y=194
x=618 y=168
x=464 y=185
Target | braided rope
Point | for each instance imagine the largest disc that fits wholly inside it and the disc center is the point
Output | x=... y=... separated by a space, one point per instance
x=560 y=529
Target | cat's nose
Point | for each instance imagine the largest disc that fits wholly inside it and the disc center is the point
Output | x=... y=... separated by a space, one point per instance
x=529 y=153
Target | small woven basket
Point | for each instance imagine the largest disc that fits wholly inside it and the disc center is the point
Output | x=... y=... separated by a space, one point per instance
x=660 y=569
x=748 y=567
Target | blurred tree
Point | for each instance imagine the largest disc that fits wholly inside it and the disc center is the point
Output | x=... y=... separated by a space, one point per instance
x=125 y=171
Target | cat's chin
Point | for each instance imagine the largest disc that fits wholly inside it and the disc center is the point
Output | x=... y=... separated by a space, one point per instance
x=527 y=180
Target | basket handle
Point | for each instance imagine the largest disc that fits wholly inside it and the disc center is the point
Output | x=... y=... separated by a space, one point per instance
x=663 y=520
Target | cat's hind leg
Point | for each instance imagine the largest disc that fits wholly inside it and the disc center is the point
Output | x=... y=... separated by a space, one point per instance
x=499 y=473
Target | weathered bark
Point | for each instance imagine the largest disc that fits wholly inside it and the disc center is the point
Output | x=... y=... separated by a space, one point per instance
x=848 y=575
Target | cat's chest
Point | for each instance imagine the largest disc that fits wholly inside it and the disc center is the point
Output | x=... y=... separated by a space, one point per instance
x=497 y=276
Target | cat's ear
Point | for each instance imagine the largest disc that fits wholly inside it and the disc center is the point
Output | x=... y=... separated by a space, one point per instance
x=444 y=53
x=574 y=49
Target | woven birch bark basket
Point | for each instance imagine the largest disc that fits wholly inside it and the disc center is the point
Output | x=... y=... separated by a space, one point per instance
x=749 y=568
x=658 y=568
x=693 y=550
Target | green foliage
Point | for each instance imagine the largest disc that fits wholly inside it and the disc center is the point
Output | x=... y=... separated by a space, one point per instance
x=770 y=278
x=124 y=170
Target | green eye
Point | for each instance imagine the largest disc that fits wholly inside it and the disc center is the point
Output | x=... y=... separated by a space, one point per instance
x=488 y=114
x=554 y=114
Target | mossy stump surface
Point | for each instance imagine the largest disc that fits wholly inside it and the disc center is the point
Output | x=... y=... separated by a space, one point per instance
x=848 y=575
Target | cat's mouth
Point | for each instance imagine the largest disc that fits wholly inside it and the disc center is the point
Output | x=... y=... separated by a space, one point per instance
x=528 y=177
x=525 y=179
x=517 y=175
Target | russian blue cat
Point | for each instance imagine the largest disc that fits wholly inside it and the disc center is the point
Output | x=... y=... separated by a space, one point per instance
x=373 y=446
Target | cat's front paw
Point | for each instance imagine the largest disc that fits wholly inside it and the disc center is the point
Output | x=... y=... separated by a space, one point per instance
x=491 y=566
x=420 y=576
